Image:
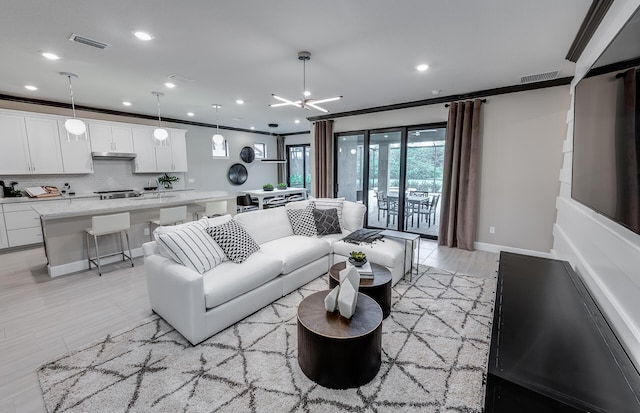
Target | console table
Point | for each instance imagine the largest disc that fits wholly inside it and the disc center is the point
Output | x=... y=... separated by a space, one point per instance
x=551 y=347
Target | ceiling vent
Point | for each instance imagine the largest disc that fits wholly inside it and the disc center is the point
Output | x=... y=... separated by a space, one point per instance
x=179 y=78
x=89 y=42
x=540 y=77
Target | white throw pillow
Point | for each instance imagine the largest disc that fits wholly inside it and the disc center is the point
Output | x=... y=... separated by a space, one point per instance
x=328 y=203
x=192 y=247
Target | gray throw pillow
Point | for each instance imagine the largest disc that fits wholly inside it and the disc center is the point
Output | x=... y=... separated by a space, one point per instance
x=236 y=243
x=327 y=221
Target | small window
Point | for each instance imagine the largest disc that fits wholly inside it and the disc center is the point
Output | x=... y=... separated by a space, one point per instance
x=261 y=150
x=220 y=150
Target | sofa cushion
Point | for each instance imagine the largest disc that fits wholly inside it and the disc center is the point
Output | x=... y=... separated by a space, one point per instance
x=236 y=243
x=353 y=216
x=229 y=280
x=326 y=221
x=265 y=224
x=332 y=238
x=328 y=203
x=192 y=247
x=302 y=221
x=296 y=251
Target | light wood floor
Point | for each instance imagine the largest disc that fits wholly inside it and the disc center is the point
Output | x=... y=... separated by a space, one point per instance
x=42 y=317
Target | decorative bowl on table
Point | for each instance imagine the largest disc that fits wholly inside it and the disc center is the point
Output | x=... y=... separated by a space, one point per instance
x=357 y=263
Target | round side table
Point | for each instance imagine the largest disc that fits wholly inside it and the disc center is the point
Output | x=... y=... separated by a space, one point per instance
x=378 y=287
x=336 y=352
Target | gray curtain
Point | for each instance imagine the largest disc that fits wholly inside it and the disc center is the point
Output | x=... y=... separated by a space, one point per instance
x=282 y=167
x=323 y=157
x=630 y=149
x=459 y=204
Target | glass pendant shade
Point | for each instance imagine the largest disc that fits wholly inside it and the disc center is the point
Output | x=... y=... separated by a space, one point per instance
x=75 y=126
x=217 y=139
x=160 y=134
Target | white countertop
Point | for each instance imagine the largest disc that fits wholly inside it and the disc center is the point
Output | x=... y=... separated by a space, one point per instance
x=74 y=206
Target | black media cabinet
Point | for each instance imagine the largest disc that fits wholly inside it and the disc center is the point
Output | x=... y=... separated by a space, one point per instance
x=552 y=350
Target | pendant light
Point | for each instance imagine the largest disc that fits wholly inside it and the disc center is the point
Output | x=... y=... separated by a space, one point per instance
x=217 y=138
x=73 y=125
x=159 y=133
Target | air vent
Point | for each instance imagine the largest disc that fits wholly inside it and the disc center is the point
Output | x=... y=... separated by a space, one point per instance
x=540 y=77
x=179 y=78
x=89 y=42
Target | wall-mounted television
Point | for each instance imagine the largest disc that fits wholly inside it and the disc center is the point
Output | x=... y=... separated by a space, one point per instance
x=606 y=135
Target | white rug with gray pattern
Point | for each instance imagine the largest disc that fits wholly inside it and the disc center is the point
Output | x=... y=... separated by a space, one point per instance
x=435 y=345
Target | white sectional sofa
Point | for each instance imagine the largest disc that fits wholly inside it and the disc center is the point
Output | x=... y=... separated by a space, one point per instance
x=200 y=305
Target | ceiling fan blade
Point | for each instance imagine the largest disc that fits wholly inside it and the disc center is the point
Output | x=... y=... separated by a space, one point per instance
x=317 y=107
x=326 y=100
x=286 y=102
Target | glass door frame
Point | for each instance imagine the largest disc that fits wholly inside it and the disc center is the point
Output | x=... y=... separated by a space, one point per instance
x=404 y=133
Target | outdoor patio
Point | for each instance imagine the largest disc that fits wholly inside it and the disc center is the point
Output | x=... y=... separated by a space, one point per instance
x=416 y=221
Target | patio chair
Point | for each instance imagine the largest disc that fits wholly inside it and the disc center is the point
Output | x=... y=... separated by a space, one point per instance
x=383 y=205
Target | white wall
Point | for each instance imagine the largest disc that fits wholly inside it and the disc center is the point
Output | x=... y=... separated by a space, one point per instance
x=522 y=136
x=606 y=254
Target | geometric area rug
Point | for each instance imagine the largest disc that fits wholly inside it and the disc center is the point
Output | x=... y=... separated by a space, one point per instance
x=434 y=356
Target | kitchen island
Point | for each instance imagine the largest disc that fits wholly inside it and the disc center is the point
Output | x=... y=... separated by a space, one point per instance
x=64 y=223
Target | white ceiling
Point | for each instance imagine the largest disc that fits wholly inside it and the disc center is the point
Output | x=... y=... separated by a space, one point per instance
x=365 y=50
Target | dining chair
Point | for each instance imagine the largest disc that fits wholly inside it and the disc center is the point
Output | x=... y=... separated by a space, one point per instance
x=383 y=204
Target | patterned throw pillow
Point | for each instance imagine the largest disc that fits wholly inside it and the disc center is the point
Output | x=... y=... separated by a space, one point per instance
x=302 y=221
x=327 y=221
x=192 y=247
x=234 y=241
x=328 y=203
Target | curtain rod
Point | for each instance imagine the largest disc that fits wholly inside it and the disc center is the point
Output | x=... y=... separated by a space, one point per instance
x=446 y=105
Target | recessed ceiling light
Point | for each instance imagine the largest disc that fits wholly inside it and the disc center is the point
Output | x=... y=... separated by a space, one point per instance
x=126 y=103
x=190 y=114
x=296 y=121
x=239 y=101
x=50 y=56
x=170 y=85
x=143 y=36
x=252 y=127
x=30 y=87
x=422 y=67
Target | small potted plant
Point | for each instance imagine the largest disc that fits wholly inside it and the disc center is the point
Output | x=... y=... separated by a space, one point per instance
x=282 y=185
x=267 y=187
x=168 y=180
x=357 y=258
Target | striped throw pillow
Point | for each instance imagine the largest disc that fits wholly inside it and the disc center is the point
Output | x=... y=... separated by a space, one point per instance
x=192 y=247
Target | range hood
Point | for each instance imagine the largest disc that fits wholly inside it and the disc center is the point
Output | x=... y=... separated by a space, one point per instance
x=113 y=155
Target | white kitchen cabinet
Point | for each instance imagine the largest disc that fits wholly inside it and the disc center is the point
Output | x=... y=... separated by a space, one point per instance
x=106 y=137
x=14 y=156
x=22 y=224
x=144 y=147
x=44 y=145
x=153 y=156
x=76 y=153
x=3 y=231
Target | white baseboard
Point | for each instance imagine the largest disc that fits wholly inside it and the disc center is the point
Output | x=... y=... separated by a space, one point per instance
x=58 y=270
x=483 y=246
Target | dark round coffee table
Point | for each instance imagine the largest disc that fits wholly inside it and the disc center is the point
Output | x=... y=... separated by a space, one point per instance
x=378 y=287
x=337 y=352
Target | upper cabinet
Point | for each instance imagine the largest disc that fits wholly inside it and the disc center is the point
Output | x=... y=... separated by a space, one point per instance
x=106 y=137
x=76 y=153
x=34 y=145
x=169 y=155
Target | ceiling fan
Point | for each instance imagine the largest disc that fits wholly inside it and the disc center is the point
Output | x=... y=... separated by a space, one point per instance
x=305 y=102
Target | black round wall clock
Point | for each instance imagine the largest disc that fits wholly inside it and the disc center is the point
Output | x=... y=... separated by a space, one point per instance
x=237 y=174
x=247 y=154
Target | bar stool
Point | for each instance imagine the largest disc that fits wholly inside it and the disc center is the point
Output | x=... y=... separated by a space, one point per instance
x=169 y=216
x=105 y=225
x=213 y=209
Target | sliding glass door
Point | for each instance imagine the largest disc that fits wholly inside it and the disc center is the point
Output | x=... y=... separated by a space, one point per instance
x=350 y=167
x=299 y=166
x=384 y=179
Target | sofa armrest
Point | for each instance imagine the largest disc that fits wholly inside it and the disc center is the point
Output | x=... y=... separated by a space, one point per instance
x=176 y=293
